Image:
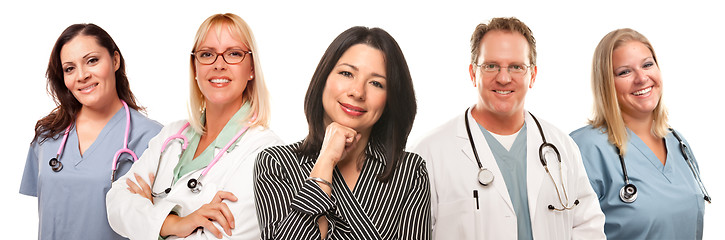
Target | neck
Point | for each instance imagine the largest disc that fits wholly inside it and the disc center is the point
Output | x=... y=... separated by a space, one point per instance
x=217 y=117
x=356 y=156
x=503 y=124
x=103 y=113
x=640 y=125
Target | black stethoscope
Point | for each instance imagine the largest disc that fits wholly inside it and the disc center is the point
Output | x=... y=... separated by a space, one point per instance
x=56 y=165
x=628 y=193
x=485 y=176
x=194 y=184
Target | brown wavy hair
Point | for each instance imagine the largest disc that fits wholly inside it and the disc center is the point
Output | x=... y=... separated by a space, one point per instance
x=67 y=106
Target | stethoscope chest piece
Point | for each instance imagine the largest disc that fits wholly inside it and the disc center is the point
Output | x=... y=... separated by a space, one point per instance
x=194 y=185
x=485 y=176
x=55 y=165
x=628 y=193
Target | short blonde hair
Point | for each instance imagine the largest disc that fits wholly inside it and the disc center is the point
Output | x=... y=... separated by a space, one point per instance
x=607 y=112
x=255 y=93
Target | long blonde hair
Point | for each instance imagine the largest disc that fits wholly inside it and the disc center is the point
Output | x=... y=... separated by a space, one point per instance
x=607 y=112
x=256 y=92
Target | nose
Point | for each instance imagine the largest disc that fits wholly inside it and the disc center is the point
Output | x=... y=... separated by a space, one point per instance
x=357 y=90
x=83 y=74
x=220 y=63
x=640 y=76
x=503 y=76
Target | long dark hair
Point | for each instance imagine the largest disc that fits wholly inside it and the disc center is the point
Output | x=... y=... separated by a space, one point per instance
x=392 y=129
x=67 y=106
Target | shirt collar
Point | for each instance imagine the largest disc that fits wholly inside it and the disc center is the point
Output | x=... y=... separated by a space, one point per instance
x=231 y=128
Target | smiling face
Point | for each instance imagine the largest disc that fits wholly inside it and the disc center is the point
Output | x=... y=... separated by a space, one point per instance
x=636 y=80
x=223 y=84
x=502 y=93
x=89 y=71
x=355 y=91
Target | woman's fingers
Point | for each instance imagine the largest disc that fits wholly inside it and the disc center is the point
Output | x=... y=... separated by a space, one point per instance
x=132 y=186
x=209 y=226
x=216 y=213
x=221 y=195
x=338 y=139
x=223 y=208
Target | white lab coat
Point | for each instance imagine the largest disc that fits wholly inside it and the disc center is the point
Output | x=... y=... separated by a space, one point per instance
x=133 y=216
x=453 y=172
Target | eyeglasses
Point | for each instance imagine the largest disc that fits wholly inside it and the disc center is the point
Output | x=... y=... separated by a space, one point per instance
x=231 y=56
x=513 y=69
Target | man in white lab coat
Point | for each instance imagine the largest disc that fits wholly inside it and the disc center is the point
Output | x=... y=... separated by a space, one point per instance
x=503 y=189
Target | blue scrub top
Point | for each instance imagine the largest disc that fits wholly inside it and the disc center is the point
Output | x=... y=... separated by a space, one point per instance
x=670 y=203
x=72 y=202
x=512 y=164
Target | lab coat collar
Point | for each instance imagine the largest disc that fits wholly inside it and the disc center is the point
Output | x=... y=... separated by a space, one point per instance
x=484 y=153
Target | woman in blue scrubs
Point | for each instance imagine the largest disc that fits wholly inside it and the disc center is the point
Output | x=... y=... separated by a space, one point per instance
x=70 y=162
x=666 y=198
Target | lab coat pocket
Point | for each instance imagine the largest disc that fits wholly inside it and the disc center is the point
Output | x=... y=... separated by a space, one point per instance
x=456 y=219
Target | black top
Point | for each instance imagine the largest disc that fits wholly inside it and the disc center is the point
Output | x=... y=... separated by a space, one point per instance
x=288 y=206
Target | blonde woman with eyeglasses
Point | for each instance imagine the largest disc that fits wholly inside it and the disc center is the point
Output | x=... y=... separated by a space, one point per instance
x=195 y=180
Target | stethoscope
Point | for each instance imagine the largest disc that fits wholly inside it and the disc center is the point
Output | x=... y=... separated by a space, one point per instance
x=628 y=193
x=485 y=176
x=194 y=184
x=56 y=165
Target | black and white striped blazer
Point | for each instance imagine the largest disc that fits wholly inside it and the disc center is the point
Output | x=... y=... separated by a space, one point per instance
x=288 y=206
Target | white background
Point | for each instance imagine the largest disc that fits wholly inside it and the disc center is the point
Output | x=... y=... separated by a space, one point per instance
x=155 y=38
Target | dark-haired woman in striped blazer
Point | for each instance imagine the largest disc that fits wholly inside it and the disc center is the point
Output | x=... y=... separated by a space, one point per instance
x=350 y=178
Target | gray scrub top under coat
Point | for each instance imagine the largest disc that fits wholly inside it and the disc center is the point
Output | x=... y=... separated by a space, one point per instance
x=72 y=202
x=669 y=205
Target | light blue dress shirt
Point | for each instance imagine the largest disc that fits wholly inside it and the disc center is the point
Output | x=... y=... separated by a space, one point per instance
x=512 y=164
x=669 y=205
x=72 y=202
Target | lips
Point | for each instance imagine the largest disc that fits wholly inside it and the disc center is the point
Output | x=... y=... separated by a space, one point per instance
x=352 y=110
x=642 y=91
x=88 y=88
x=503 y=92
x=219 y=81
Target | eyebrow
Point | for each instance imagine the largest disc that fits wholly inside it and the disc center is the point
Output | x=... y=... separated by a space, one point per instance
x=357 y=69
x=84 y=57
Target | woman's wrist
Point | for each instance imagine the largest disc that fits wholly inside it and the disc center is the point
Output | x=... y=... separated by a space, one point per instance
x=168 y=225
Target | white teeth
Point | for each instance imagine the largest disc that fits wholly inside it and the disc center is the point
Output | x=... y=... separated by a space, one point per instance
x=89 y=87
x=503 y=92
x=220 y=80
x=643 y=91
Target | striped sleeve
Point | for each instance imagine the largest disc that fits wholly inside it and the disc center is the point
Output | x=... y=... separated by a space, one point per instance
x=285 y=209
x=417 y=224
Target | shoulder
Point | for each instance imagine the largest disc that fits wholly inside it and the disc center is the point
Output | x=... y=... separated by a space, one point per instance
x=142 y=122
x=264 y=136
x=412 y=163
x=553 y=133
x=589 y=136
x=279 y=153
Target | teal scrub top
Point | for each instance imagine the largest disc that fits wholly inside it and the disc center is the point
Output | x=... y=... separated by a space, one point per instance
x=72 y=202
x=512 y=164
x=669 y=204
